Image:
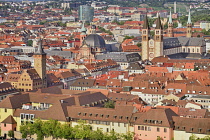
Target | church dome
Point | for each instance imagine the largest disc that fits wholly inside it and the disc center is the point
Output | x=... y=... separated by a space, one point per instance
x=94 y=41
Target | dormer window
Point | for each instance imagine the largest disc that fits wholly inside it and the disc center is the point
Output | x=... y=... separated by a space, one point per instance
x=96 y=115
x=90 y=114
x=79 y=113
x=84 y=114
x=121 y=117
x=101 y=115
x=107 y=116
x=115 y=116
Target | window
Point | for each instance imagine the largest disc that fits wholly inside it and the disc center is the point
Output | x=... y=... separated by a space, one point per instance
x=139 y=127
x=5 y=110
x=31 y=116
x=165 y=129
x=27 y=116
x=5 y=125
x=22 y=116
x=199 y=130
x=158 y=129
x=142 y=127
x=191 y=129
x=107 y=129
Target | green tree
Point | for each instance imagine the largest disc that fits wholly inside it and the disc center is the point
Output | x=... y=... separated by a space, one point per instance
x=52 y=128
x=27 y=130
x=109 y=104
x=29 y=43
x=192 y=137
x=159 y=138
x=127 y=136
x=67 y=132
x=97 y=135
x=112 y=136
x=11 y=134
x=139 y=44
x=82 y=130
x=37 y=126
x=128 y=37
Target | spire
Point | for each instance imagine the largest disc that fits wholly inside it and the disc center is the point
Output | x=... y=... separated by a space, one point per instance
x=170 y=18
x=83 y=29
x=158 y=23
x=146 y=23
x=40 y=50
x=189 y=18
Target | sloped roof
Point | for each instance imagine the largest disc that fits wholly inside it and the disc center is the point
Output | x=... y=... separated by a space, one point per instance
x=9 y=120
x=163 y=116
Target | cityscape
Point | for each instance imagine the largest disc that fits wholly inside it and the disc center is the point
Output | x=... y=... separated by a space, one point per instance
x=105 y=70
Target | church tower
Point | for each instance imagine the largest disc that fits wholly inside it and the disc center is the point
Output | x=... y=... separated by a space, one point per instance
x=40 y=64
x=83 y=33
x=189 y=26
x=145 y=39
x=170 y=26
x=158 y=39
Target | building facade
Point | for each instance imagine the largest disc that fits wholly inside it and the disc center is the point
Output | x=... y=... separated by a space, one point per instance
x=86 y=13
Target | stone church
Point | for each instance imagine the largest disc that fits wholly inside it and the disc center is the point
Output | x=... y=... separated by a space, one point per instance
x=174 y=47
x=91 y=45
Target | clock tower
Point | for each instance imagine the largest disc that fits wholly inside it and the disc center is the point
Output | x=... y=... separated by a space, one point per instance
x=40 y=64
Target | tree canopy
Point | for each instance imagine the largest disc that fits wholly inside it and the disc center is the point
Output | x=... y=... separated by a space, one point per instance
x=55 y=130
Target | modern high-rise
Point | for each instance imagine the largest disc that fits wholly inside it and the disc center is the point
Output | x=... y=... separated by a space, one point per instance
x=86 y=13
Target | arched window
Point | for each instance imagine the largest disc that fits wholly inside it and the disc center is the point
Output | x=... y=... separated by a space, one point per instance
x=188 y=49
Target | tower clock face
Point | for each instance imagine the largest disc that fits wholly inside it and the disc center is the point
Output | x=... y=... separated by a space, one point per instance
x=151 y=42
x=151 y=55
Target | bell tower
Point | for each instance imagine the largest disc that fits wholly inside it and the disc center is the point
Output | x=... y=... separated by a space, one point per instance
x=158 y=39
x=40 y=64
x=145 y=39
x=83 y=33
x=189 y=26
x=170 y=26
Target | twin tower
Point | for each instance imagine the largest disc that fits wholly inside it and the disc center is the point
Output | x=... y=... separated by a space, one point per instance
x=153 y=47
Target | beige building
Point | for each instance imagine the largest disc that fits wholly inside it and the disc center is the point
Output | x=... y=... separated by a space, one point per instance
x=31 y=79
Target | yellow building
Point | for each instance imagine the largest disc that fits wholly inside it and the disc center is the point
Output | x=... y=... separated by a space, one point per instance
x=31 y=79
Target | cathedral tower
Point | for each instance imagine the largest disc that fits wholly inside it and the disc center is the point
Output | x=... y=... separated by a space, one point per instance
x=40 y=64
x=145 y=39
x=158 y=39
x=189 y=26
x=170 y=26
x=83 y=33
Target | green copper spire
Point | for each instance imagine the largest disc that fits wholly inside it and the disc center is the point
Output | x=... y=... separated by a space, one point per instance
x=189 y=18
x=83 y=29
x=170 y=18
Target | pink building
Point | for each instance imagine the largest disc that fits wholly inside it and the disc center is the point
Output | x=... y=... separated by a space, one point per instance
x=155 y=123
x=8 y=124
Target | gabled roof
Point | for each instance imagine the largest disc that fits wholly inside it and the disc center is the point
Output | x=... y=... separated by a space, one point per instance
x=9 y=120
